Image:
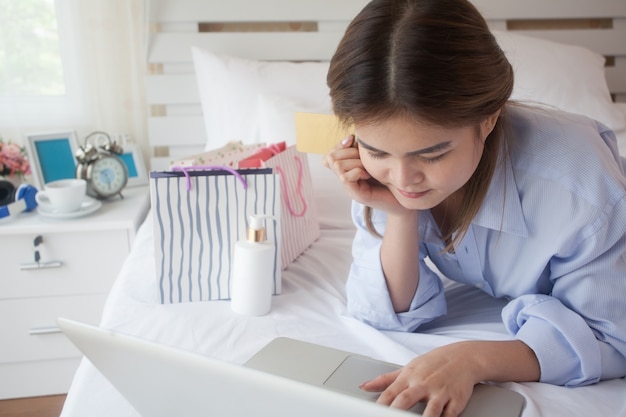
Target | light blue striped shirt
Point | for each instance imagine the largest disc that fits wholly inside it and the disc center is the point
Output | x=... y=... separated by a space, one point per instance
x=557 y=252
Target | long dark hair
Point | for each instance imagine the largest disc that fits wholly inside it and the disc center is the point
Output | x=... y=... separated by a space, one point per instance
x=432 y=60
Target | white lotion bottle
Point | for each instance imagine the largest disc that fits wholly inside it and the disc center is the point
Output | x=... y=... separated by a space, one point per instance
x=252 y=281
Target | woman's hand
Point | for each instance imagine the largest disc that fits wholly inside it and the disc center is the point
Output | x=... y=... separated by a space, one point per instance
x=345 y=162
x=444 y=378
x=441 y=378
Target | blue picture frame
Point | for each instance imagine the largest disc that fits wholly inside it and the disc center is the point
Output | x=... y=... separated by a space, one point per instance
x=52 y=156
x=137 y=173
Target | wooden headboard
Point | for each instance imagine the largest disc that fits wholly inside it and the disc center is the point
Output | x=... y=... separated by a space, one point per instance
x=309 y=30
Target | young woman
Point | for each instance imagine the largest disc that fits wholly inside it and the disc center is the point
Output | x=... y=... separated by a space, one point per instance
x=524 y=203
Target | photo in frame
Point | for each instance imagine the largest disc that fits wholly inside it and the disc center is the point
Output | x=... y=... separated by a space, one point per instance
x=137 y=173
x=52 y=156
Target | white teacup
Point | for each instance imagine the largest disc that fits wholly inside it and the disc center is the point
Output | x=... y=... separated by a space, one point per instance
x=62 y=196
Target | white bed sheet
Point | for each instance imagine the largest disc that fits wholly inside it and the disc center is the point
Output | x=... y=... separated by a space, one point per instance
x=311 y=308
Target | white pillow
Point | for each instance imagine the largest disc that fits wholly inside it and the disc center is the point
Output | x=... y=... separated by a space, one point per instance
x=276 y=121
x=230 y=87
x=570 y=78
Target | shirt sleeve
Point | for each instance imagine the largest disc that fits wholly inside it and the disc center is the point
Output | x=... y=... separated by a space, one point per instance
x=578 y=331
x=366 y=289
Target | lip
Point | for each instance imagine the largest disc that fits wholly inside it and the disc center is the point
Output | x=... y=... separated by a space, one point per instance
x=408 y=194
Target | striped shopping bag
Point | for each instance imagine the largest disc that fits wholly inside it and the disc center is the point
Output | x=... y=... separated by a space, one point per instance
x=199 y=212
x=299 y=221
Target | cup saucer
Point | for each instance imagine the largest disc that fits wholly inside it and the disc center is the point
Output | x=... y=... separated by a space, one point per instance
x=88 y=206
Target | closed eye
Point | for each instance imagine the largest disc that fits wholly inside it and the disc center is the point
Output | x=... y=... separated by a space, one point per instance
x=433 y=159
x=377 y=155
x=440 y=147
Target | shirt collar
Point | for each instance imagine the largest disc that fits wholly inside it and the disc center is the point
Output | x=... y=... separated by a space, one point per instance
x=502 y=209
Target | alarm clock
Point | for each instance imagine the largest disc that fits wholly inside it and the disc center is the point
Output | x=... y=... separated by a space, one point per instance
x=99 y=164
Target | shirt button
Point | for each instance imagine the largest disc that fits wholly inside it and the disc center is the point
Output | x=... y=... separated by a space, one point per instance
x=479 y=285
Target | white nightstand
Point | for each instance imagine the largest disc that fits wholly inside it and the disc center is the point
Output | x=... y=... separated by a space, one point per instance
x=84 y=256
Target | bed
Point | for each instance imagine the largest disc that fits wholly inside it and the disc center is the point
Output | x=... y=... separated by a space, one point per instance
x=193 y=96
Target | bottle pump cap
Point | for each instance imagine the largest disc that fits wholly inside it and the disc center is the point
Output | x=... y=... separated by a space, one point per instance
x=256 y=228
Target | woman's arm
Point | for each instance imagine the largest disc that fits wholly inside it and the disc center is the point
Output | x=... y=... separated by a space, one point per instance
x=368 y=294
x=382 y=287
x=399 y=255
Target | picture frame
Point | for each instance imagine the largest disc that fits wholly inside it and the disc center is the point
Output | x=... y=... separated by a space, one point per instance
x=137 y=173
x=52 y=156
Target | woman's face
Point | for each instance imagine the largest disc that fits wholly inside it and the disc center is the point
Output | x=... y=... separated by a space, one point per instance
x=422 y=165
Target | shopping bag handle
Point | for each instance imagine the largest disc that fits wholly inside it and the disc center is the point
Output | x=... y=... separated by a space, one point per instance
x=185 y=171
x=283 y=181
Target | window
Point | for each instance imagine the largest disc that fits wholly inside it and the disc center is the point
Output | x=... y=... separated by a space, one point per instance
x=39 y=81
x=30 y=58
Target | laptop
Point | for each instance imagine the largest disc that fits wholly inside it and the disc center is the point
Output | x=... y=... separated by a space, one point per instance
x=284 y=379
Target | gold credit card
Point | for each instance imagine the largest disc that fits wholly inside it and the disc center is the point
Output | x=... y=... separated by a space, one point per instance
x=319 y=133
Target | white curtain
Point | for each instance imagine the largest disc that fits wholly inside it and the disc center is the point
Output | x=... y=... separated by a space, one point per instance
x=112 y=35
x=107 y=72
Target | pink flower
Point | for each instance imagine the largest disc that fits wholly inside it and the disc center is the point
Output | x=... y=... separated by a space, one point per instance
x=13 y=160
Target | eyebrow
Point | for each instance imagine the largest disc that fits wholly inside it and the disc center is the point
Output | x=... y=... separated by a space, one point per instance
x=431 y=149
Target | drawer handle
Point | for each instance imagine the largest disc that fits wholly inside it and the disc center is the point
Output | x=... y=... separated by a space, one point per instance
x=40 y=265
x=36 y=331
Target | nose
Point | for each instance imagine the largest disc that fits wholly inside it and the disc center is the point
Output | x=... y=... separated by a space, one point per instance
x=405 y=174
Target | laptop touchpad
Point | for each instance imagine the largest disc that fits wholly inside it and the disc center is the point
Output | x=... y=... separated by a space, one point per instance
x=355 y=370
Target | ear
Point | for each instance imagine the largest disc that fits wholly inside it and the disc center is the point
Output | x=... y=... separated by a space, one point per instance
x=487 y=125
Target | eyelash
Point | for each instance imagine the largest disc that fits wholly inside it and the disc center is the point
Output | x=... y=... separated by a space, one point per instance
x=434 y=158
x=376 y=155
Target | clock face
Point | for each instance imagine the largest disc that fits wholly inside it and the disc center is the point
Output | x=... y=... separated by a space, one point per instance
x=108 y=176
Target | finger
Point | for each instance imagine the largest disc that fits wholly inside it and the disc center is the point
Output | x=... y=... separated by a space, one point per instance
x=347 y=141
x=380 y=383
x=401 y=394
x=344 y=153
x=435 y=408
x=453 y=409
x=456 y=405
x=345 y=165
x=338 y=155
x=349 y=170
x=407 y=398
x=442 y=406
x=343 y=144
x=354 y=175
